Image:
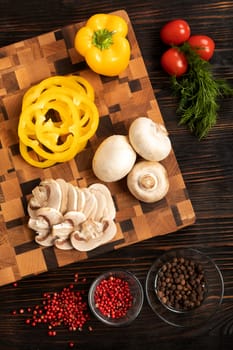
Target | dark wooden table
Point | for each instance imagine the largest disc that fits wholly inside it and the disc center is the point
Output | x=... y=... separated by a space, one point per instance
x=207 y=168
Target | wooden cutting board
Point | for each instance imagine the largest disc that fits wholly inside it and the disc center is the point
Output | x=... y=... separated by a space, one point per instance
x=119 y=100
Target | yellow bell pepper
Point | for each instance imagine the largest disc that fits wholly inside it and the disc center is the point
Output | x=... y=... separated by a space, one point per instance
x=103 y=44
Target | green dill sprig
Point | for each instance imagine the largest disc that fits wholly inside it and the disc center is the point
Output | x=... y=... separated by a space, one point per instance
x=198 y=92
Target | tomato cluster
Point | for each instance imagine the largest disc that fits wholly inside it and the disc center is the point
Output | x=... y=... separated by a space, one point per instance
x=178 y=32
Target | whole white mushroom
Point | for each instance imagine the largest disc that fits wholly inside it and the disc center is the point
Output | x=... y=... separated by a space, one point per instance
x=148 y=181
x=149 y=139
x=113 y=159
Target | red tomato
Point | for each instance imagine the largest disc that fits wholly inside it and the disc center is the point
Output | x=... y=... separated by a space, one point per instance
x=174 y=62
x=175 y=32
x=204 y=46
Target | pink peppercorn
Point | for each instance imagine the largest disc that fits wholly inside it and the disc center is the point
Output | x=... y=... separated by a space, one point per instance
x=113 y=297
x=65 y=307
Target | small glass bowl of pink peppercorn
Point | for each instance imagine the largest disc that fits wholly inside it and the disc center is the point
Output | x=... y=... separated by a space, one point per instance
x=116 y=297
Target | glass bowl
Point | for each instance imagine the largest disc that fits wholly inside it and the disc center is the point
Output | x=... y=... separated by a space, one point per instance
x=120 y=294
x=209 y=283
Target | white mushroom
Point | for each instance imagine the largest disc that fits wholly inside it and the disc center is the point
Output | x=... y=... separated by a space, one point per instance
x=72 y=220
x=53 y=216
x=46 y=241
x=148 y=181
x=93 y=234
x=113 y=159
x=40 y=225
x=90 y=206
x=81 y=199
x=54 y=192
x=63 y=244
x=101 y=204
x=100 y=191
x=72 y=201
x=149 y=139
x=47 y=194
x=67 y=217
x=64 y=194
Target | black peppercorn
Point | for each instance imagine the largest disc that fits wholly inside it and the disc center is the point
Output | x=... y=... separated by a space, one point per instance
x=180 y=284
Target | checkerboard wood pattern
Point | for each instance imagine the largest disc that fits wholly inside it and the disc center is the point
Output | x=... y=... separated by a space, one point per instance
x=119 y=100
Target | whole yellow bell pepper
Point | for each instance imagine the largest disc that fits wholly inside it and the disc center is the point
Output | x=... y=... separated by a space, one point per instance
x=103 y=44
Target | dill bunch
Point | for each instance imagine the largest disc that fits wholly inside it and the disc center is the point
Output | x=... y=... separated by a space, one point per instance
x=198 y=92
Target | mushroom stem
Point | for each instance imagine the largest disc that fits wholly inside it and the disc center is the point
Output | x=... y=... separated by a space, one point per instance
x=148 y=182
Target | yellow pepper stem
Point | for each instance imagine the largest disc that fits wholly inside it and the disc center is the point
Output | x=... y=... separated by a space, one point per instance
x=102 y=39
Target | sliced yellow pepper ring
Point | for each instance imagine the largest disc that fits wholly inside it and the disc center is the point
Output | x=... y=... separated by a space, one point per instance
x=71 y=82
x=30 y=157
x=58 y=118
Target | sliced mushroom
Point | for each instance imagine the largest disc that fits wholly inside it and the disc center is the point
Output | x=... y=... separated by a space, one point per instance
x=62 y=213
x=113 y=159
x=54 y=193
x=64 y=194
x=90 y=206
x=39 y=197
x=53 y=216
x=62 y=230
x=76 y=217
x=101 y=204
x=63 y=244
x=71 y=222
x=72 y=202
x=47 y=194
x=81 y=199
x=149 y=139
x=148 y=181
x=40 y=225
x=93 y=234
x=46 y=241
x=109 y=210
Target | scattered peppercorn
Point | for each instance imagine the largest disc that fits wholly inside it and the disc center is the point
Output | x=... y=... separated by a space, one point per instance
x=180 y=284
x=113 y=297
x=65 y=307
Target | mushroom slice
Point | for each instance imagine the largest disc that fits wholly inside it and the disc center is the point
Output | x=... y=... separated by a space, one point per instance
x=54 y=193
x=52 y=215
x=46 y=241
x=148 y=181
x=149 y=139
x=71 y=222
x=101 y=204
x=93 y=234
x=90 y=206
x=63 y=244
x=72 y=202
x=81 y=199
x=40 y=225
x=39 y=197
x=64 y=194
x=62 y=230
x=75 y=217
x=110 y=210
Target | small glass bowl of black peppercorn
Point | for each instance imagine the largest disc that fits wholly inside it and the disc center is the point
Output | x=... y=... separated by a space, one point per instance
x=184 y=287
x=116 y=297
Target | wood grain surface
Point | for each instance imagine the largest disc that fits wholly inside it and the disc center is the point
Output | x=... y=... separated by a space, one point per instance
x=206 y=166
